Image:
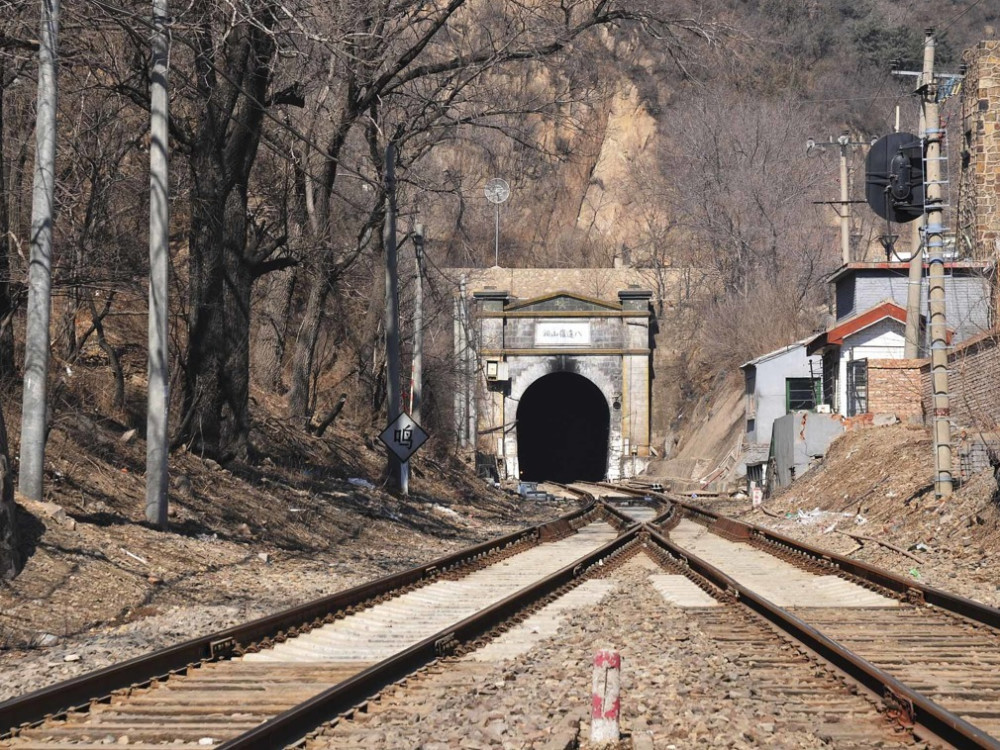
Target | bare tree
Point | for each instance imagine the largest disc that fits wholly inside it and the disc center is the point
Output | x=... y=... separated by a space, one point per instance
x=432 y=54
x=741 y=198
x=10 y=555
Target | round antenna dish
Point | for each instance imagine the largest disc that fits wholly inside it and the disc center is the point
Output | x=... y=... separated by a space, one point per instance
x=497 y=190
x=894 y=177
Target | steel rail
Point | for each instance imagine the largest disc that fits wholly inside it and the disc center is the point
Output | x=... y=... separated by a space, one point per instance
x=921 y=710
x=959 y=605
x=735 y=529
x=292 y=725
x=81 y=691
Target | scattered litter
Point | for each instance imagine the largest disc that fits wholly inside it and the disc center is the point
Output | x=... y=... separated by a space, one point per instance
x=134 y=557
x=264 y=557
x=860 y=520
x=815 y=515
x=47 y=639
x=919 y=547
x=71 y=657
x=296 y=510
x=446 y=511
x=208 y=537
x=915 y=573
x=358 y=482
x=205 y=741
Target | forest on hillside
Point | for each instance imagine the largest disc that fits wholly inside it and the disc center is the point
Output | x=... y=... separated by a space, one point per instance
x=281 y=112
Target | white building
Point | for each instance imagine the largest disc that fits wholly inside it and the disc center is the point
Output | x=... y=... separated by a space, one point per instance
x=876 y=333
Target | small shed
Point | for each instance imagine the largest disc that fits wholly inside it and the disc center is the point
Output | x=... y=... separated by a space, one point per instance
x=876 y=333
x=800 y=439
x=777 y=383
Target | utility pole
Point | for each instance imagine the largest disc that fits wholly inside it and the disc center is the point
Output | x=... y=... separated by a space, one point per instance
x=914 y=282
x=398 y=470
x=933 y=234
x=159 y=236
x=932 y=136
x=843 y=206
x=36 y=348
x=417 y=373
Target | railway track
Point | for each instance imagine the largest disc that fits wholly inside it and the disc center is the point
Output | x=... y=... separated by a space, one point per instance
x=827 y=648
x=257 y=685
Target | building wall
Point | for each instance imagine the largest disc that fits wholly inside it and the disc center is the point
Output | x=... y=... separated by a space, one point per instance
x=979 y=188
x=967 y=296
x=973 y=384
x=769 y=395
x=895 y=386
x=882 y=340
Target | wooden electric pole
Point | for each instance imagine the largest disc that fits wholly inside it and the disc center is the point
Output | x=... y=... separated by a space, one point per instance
x=36 y=344
x=157 y=394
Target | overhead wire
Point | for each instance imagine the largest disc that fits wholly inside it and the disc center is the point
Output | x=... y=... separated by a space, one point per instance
x=955 y=19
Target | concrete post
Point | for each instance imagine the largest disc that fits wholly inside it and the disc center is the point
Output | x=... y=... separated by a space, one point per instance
x=159 y=260
x=934 y=232
x=845 y=205
x=36 y=337
x=397 y=470
x=606 y=703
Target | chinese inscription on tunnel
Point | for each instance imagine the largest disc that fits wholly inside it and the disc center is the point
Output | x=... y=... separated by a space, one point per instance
x=562 y=333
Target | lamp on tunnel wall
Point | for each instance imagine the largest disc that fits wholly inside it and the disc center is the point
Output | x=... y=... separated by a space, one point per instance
x=616 y=403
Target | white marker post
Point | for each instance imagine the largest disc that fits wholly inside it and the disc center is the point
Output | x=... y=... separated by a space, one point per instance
x=606 y=704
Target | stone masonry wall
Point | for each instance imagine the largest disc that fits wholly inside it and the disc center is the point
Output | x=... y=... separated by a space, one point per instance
x=979 y=183
x=895 y=387
x=973 y=384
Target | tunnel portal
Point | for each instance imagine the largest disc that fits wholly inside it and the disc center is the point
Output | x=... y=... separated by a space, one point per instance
x=563 y=428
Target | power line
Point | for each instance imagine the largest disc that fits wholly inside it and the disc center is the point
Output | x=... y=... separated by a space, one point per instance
x=955 y=19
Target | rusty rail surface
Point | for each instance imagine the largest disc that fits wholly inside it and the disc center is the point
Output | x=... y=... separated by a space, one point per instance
x=81 y=691
x=920 y=710
x=296 y=723
x=732 y=528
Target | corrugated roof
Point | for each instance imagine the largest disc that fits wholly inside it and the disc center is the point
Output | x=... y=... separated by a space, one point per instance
x=776 y=353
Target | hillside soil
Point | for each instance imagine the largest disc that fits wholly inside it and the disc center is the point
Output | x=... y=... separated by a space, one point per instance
x=101 y=586
x=873 y=499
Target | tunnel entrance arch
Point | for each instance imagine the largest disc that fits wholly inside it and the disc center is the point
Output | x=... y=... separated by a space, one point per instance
x=507 y=347
x=563 y=430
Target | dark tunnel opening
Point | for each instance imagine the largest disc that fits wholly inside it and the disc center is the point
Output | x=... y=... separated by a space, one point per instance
x=563 y=426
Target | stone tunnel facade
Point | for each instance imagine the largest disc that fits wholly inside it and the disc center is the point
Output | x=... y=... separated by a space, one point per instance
x=511 y=345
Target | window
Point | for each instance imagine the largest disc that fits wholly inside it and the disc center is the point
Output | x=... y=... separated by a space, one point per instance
x=801 y=393
x=857 y=387
x=751 y=426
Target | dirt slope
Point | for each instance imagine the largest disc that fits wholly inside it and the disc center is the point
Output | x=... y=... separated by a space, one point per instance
x=878 y=483
x=101 y=586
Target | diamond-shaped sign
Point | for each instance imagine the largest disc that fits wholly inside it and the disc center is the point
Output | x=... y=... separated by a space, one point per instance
x=403 y=437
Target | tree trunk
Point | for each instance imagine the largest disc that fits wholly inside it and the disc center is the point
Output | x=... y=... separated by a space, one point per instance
x=10 y=555
x=217 y=380
x=218 y=374
x=305 y=349
x=7 y=370
x=268 y=354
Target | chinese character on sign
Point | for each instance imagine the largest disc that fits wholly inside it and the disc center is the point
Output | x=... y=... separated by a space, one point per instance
x=403 y=437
